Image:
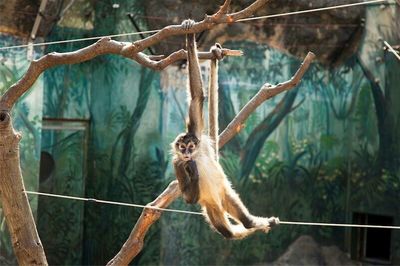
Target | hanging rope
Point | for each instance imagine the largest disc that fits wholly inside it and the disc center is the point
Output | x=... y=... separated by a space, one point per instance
x=240 y=20
x=199 y=213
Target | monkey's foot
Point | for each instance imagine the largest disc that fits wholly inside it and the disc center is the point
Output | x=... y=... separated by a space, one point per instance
x=187 y=24
x=273 y=221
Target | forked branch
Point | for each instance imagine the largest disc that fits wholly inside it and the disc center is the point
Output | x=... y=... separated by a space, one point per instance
x=101 y=47
x=134 y=243
x=129 y=50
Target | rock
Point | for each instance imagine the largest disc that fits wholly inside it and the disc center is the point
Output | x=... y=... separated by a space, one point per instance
x=306 y=251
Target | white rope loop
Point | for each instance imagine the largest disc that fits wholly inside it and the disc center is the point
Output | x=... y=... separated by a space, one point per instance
x=240 y=20
x=199 y=213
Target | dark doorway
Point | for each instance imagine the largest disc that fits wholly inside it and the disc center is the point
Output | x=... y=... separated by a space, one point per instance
x=372 y=244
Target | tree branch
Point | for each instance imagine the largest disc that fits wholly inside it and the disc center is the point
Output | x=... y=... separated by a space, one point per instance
x=101 y=47
x=129 y=50
x=134 y=243
x=267 y=91
x=207 y=23
x=10 y=170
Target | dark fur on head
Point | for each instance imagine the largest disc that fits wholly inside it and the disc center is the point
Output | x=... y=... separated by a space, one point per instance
x=186 y=146
x=186 y=138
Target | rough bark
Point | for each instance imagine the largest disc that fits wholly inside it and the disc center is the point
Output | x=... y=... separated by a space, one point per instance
x=333 y=35
x=26 y=243
x=134 y=243
x=25 y=239
x=101 y=47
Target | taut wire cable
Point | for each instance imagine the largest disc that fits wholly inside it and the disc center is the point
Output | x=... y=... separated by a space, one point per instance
x=79 y=40
x=110 y=202
x=313 y=10
x=392 y=50
x=199 y=213
x=240 y=20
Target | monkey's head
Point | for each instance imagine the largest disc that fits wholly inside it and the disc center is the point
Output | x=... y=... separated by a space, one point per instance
x=186 y=146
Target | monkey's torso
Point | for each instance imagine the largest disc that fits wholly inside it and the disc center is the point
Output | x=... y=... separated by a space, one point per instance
x=212 y=181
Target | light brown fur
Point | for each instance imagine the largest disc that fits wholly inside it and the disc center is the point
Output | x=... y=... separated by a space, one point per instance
x=200 y=176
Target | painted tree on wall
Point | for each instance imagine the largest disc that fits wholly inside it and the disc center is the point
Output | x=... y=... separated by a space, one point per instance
x=26 y=242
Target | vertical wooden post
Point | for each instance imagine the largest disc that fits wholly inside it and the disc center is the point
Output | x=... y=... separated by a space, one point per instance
x=24 y=236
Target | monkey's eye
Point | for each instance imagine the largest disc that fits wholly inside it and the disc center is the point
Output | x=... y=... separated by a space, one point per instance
x=191 y=146
x=181 y=147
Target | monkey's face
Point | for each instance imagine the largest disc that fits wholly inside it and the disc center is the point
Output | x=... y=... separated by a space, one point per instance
x=186 y=146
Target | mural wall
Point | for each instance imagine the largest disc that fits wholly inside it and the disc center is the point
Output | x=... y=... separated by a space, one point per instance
x=327 y=151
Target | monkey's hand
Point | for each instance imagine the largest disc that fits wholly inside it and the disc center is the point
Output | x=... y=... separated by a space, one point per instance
x=216 y=49
x=187 y=24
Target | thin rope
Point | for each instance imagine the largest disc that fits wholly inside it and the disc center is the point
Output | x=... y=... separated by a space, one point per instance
x=342 y=225
x=313 y=10
x=392 y=50
x=199 y=213
x=78 y=40
x=110 y=202
x=240 y=20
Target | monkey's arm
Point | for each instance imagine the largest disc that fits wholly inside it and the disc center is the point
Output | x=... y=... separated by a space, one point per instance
x=195 y=124
x=193 y=188
x=188 y=179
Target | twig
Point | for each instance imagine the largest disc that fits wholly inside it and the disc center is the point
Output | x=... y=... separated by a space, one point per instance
x=129 y=50
x=134 y=243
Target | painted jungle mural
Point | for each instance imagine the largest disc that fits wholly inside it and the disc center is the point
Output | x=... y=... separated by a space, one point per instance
x=327 y=151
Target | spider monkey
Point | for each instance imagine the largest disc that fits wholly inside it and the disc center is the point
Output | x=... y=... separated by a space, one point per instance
x=201 y=178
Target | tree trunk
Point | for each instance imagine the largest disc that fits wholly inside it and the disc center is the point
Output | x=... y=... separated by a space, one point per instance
x=25 y=239
x=386 y=113
x=389 y=146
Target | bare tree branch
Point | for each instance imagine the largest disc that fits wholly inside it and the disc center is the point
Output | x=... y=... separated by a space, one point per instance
x=267 y=91
x=248 y=11
x=27 y=244
x=134 y=243
x=207 y=23
x=129 y=50
x=101 y=47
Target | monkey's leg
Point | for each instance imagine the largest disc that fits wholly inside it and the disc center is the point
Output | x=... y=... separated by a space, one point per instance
x=235 y=207
x=220 y=222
